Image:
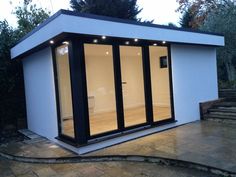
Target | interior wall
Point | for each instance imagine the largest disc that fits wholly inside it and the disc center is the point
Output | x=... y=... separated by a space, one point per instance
x=159 y=77
x=98 y=67
x=194 y=74
x=132 y=76
x=100 y=78
x=99 y=70
x=40 y=93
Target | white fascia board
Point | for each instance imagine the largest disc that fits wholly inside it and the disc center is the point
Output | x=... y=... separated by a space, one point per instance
x=115 y=29
x=44 y=34
x=84 y=25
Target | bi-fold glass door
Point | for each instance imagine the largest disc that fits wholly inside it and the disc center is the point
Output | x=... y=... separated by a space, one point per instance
x=103 y=116
x=100 y=88
x=160 y=82
x=132 y=85
x=115 y=88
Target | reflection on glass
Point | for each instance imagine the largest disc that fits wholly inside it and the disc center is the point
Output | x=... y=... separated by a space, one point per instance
x=64 y=91
x=160 y=83
x=100 y=88
x=132 y=85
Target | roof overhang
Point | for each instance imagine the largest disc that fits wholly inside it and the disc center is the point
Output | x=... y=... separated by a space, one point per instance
x=71 y=22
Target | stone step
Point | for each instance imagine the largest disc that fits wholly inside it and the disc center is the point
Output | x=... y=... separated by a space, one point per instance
x=225 y=104
x=223 y=109
x=232 y=114
x=212 y=116
x=29 y=134
x=227 y=94
x=228 y=121
x=33 y=137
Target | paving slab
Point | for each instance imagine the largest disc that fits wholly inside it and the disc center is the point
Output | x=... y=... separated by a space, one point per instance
x=43 y=148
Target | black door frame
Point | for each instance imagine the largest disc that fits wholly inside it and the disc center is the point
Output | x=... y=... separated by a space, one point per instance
x=79 y=86
x=61 y=136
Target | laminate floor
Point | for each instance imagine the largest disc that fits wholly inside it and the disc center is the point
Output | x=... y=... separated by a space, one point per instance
x=103 y=122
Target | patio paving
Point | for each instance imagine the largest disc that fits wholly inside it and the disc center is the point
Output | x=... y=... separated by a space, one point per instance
x=204 y=142
x=112 y=169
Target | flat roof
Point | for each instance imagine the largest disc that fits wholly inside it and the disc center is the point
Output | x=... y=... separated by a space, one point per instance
x=65 y=21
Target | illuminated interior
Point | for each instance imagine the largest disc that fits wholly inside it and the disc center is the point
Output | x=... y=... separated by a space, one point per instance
x=101 y=92
x=160 y=83
x=64 y=91
x=100 y=88
x=132 y=85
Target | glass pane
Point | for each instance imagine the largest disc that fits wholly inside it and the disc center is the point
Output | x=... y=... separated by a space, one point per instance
x=160 y=83
x=64 y=90
x=100 y=88
x=132 y=85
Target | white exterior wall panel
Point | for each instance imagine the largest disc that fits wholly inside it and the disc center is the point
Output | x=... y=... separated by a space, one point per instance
x=194 y=74
x=40 y=94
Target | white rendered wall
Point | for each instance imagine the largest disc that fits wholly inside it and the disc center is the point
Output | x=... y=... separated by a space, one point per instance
x=40 y=94
x=194 y=79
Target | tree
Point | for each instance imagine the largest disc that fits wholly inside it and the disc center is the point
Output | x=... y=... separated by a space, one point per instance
x=29 y=16
x=170 y=24
x=12 y=99
x=187 y=20
x=200 y=9
x=6 y=35
x=222 y=20
x=125 y=9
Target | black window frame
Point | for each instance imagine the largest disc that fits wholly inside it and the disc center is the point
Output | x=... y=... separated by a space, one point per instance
x=66 y=138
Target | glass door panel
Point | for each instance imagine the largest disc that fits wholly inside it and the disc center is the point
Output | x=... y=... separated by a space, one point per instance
x=100 y=88
x=64 y=91
x=132 y=85
x=160 y=83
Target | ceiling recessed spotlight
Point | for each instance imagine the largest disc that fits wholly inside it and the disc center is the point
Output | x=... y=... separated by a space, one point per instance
x=51 y=42
x=65 y=43
x=155 y=44
x=135 y=40
x=104 y=37
x=138 y=54
x=95 y=41
x=163 y=42
x=127 y=42
x=107 y=53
